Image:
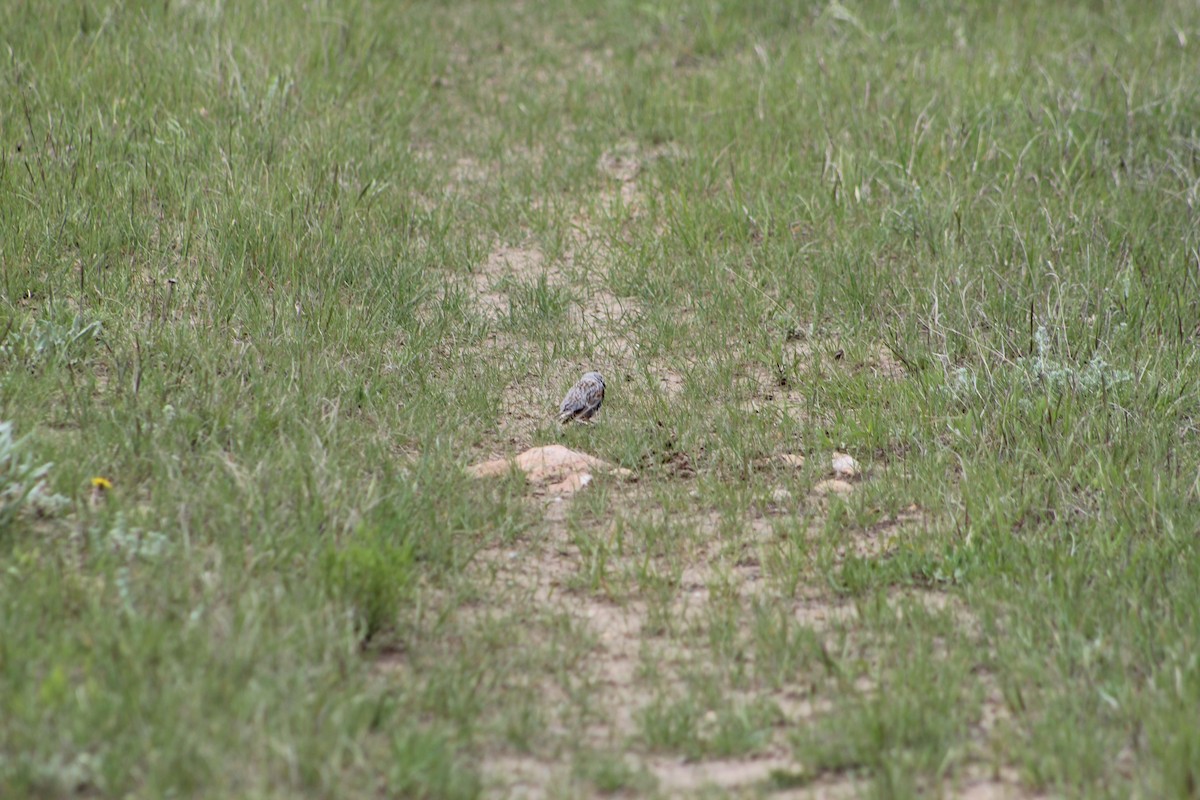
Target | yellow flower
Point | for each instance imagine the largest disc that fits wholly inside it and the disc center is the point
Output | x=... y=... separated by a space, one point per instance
x=101 y=483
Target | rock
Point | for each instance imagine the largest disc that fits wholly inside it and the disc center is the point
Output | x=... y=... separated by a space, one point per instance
x=781 y=496
x=834 y=486
x=844 y=466
x=556 y=469
x=792 y=460
x=570 y=484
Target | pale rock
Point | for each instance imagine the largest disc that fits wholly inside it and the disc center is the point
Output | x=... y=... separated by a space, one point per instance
x=555 y=469
x=844 y=466
x=792 y=460
x=834 y=486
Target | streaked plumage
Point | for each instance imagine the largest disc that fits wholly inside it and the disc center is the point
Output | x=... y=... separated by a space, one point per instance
x=584 y=399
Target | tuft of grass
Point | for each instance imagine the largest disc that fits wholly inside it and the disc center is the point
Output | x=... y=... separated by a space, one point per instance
x=696 y=729
x=427 y=764
x=372 y=574
x=893 y=732
x=611 y=774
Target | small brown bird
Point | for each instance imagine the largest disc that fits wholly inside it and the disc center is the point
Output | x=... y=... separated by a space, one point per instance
x=584 y=399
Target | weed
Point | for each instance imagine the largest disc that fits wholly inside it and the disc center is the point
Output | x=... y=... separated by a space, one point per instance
x=372 y=574
x=22 y=483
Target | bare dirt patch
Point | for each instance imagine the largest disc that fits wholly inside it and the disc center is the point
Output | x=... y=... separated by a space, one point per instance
x=505 y=268
x=595 y=314
x=621 y=163
x=678 y=777
x=804 y=351
x=632 y=660
x=467 y=171
x=624 y=164
x=670 y=382
x=543 y=571
x=526 y=777
x=526 y=403
x=626 y=160
x=771 y=393
x=989 y=789
x=643 y=616
x=600 y=308
x=508 y=265
x=626 y=639
x=885 y=364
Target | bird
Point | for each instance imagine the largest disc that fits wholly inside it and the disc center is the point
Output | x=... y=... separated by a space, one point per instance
x=583 y=400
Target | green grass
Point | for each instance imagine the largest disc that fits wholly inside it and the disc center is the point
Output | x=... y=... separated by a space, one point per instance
x=250 y=276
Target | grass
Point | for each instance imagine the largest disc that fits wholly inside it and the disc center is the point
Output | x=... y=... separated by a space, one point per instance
x=280 y=272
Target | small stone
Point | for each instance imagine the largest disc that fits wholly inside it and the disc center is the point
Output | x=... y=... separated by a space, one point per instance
x=792 y=460
x=834 y=486
x=844 y=466
x=570 y=484
x=781 y=496
x=553 y=469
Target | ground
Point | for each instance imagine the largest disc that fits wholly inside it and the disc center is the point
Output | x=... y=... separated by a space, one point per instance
x=894 y=489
